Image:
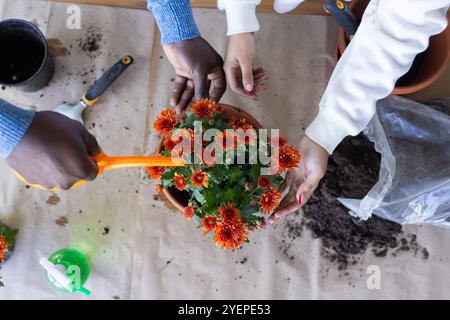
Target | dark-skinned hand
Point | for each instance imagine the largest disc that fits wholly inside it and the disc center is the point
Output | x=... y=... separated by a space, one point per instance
x=55 y=152
x=198 y=67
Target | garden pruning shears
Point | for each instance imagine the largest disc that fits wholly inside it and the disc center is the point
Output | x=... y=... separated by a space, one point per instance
x=106 y=163
x=343 y=15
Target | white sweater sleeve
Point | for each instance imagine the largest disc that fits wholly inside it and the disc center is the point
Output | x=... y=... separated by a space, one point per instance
x=241 y=15
x=391 y=34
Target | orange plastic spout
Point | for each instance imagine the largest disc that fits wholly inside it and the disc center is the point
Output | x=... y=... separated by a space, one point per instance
x=105 y=162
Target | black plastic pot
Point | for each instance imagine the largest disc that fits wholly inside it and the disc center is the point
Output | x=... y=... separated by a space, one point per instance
x=24 y=60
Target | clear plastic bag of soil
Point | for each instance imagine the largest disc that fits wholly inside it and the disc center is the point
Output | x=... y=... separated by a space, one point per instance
x=414 y=177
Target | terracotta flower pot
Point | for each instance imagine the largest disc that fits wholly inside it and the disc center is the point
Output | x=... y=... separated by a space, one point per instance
x=427 y=67
x=180 y=198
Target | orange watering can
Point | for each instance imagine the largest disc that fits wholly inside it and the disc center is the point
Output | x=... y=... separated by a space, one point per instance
x=105 y=163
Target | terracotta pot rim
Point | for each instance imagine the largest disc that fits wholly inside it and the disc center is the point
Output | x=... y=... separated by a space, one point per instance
x=232 y=110
x=403 y=90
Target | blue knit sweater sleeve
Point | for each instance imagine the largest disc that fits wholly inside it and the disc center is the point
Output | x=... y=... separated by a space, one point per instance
x=14 y=122
x=175 y=20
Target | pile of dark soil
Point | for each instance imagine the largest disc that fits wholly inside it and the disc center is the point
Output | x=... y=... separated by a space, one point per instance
x=352 y=172
x=91 y=41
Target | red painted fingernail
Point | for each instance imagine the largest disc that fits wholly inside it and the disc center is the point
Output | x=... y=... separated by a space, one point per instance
x=300 y=200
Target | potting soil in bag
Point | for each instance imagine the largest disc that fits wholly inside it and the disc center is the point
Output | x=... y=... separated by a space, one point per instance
x=414 y=177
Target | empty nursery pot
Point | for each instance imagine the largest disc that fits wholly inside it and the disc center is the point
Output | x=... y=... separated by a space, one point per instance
x=180 y=199
x=427 y=66
x=24 y=60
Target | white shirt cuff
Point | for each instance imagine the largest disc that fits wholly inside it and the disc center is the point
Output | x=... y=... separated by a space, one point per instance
x=328 y=130
x=241 y=18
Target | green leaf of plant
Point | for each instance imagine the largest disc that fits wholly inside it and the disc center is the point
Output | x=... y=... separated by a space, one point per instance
x=10 y=234
x=165 y=153
x=248 y=211
x=235 y=174
x=255 y=172
x=190 y=118
x=167 y=178
x=233 y=195
x=198 y=196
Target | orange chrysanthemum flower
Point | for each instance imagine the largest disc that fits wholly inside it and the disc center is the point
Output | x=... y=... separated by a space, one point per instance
x=203 y=108
x=199 y=179
x=229 y=212
x=289 y=157
x=189 y=212
x=264 y=182
x=155 y=172
x=270 y=200
x=4 y=247
x=179 y=182
x=231 y=234
x=283 y=141
x=169 y=144
x=209 y=223
x=165 y=122
x=242 y=124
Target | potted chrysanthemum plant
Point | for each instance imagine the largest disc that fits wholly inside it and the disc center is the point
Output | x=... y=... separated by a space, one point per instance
x=233 y=169
x=7 y=241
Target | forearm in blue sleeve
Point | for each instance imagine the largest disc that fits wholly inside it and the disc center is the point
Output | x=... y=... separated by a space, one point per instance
x=175 y=20
x=14 y=123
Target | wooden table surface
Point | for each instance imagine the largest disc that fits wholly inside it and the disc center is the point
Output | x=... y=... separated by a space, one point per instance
x=313 y=7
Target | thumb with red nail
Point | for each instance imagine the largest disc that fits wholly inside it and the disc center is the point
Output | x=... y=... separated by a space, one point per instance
x=301 y=182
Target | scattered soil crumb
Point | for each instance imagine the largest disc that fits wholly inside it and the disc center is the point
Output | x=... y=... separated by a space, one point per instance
x=105 y=231
x=92 y=41
x=62 y=221
x=244 y=260
x=116 y=297
x=352 y=171
x=425 y=253
x=293 y=229
x=53 y=200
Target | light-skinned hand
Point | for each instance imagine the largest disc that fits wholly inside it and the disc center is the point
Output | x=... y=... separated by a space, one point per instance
x=302 y=181
x=242 y=78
